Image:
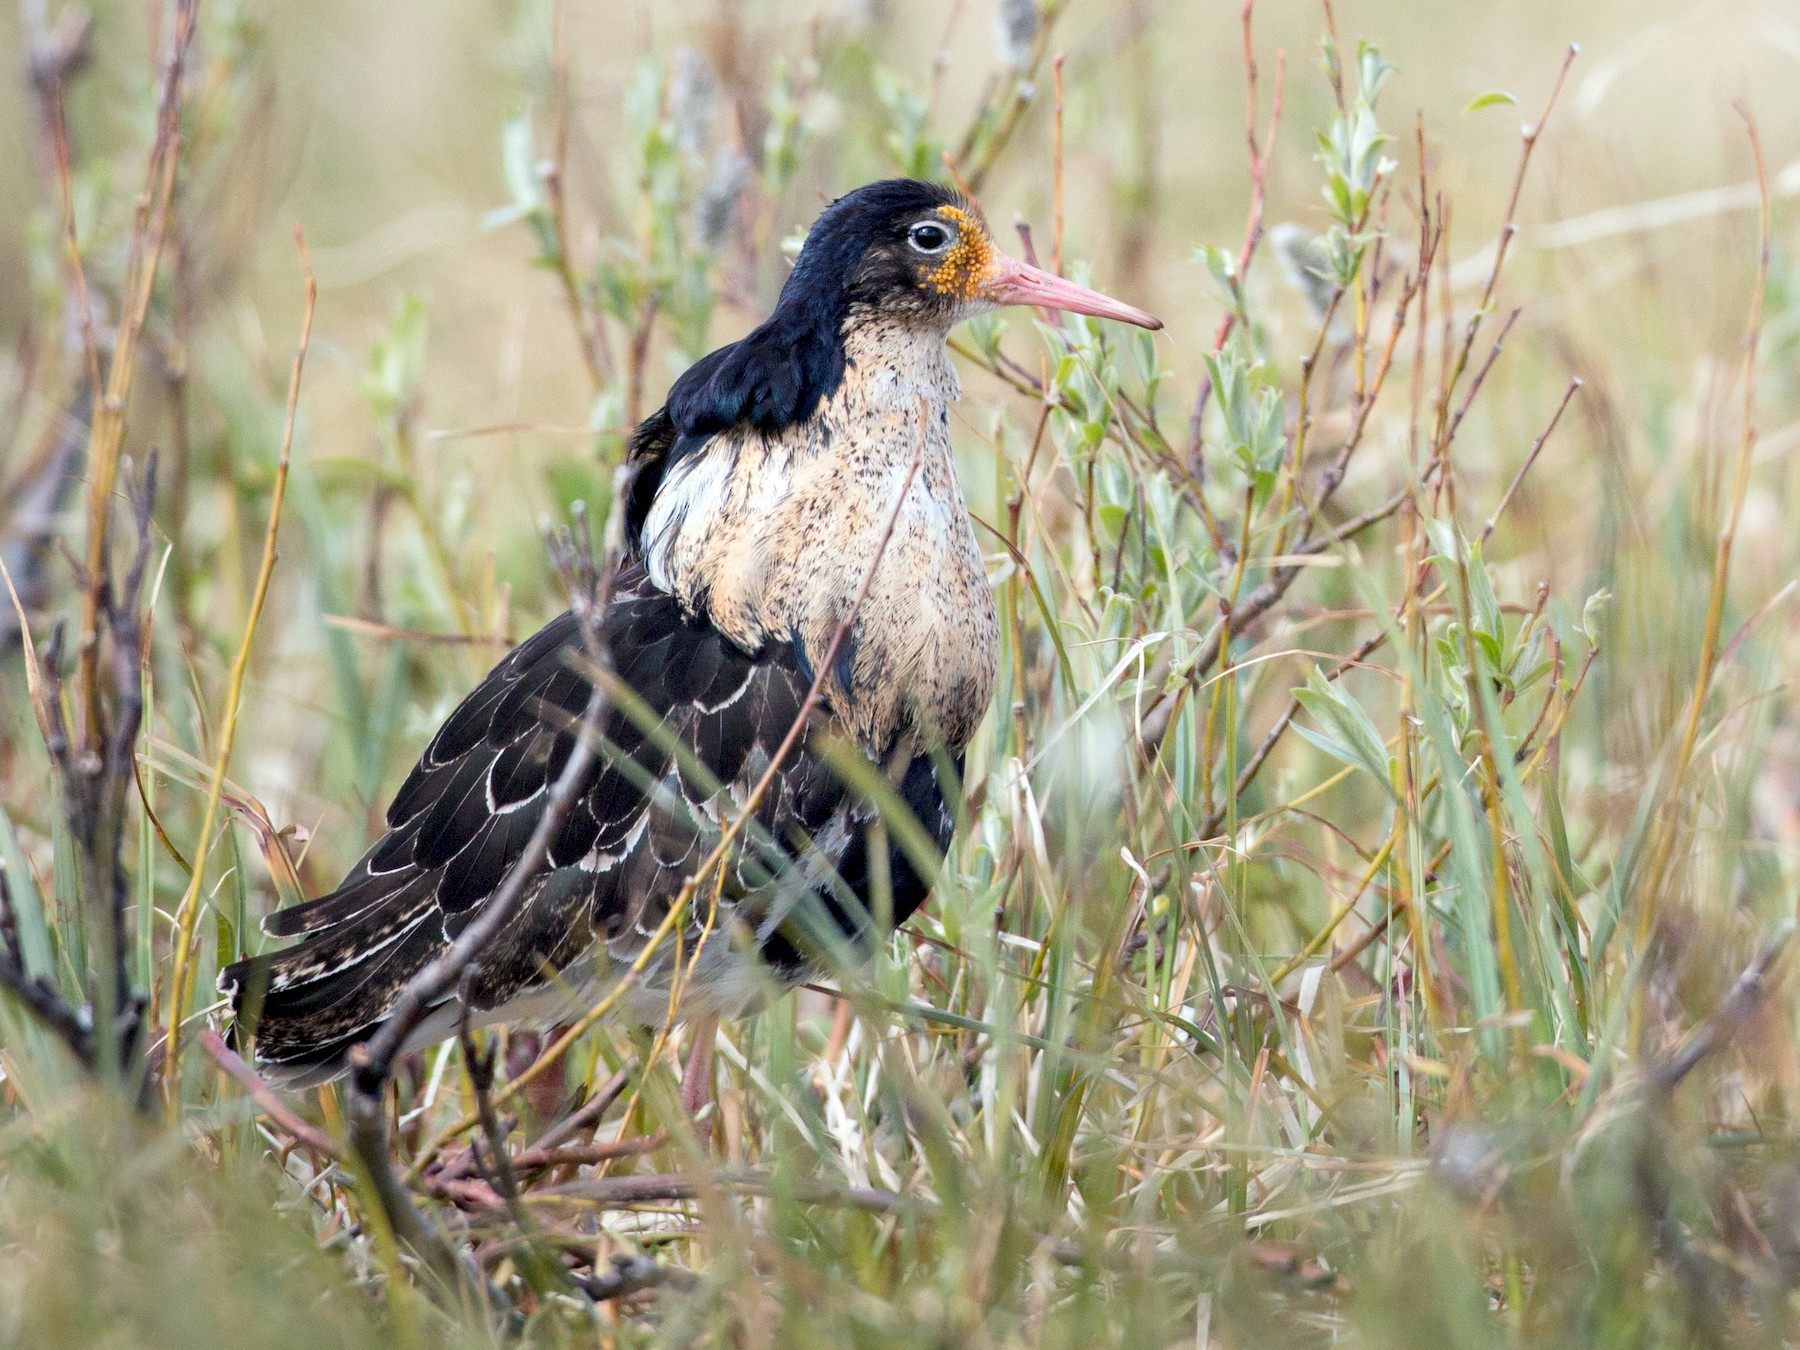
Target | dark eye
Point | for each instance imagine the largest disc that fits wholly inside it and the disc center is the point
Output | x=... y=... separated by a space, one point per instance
x=928 y=237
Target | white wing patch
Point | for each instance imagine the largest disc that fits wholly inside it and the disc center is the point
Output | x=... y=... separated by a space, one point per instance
x=693 y=492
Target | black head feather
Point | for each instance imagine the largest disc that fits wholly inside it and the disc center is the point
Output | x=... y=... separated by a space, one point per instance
x=776 y=375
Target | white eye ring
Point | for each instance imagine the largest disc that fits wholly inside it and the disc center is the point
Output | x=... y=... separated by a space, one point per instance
x=929 y=237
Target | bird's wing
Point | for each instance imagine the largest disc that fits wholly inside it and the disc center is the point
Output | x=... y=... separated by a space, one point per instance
x=680 y=755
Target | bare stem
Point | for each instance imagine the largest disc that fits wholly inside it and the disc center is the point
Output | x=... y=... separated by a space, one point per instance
x=1721 y=571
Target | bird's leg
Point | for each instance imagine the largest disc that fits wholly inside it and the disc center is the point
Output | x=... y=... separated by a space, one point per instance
x=697 y=1076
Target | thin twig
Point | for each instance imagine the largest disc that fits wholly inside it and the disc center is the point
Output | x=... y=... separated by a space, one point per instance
x=1508 y=228
x=52 y=56
x=1017 y=99
x=590 y=334
x=105 y=795
x=586 y=1116
x=107 y=432
x=586 y=1155
x=1481 y=375
x=38 y=996
x=1260 y=155
x=1056 y=160
x=479 y=1067
x=1531 y=458
x=612 y=1192
x=267 y=1099
x=631 y=1275
x=1727 y=1020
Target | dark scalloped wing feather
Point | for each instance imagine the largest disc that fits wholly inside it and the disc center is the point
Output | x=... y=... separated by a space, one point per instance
x=465 y=813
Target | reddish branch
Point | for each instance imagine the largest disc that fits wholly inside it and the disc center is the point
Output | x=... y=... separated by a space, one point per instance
x=1260 y=154
x=267 y=1100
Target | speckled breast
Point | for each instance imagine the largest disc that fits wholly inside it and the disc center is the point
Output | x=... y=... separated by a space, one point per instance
x=774 y=536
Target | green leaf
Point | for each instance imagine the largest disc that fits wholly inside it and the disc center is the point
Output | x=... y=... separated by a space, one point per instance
x=397 y=357
x=1484 y=605
x=1590 y=615
x=1350 y=735
x=1489 y=100
x=1223 y=268
x=1372 y=70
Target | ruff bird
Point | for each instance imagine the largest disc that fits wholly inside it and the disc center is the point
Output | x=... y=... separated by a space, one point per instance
x=789 y=476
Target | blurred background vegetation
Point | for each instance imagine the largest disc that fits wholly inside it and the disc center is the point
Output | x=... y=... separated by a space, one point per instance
x=1462 y=1020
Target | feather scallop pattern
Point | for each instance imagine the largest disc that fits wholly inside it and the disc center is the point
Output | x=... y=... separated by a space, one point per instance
x=678 y=761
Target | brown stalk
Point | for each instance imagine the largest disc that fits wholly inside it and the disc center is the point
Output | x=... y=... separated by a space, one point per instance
x=1726 y=1021
x=52 y=56
x=589 y=332
x=1487 y=529
x=550 y=1151
x=1056 y=160
x=96 y=782
x=1508 y=229
x=1482 y=374
x=940 y=61
x=187 y=915
x=107 y=433
x=497 y=1166
x=1721 y=572
x=1017 y=99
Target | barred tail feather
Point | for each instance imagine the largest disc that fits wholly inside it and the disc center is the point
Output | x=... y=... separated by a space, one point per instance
x=307 y=1005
